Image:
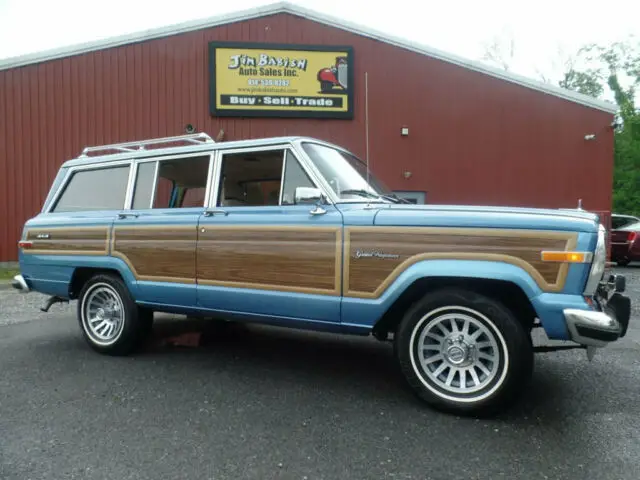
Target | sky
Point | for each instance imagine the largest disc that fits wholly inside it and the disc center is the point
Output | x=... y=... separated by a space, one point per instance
x=543 y=33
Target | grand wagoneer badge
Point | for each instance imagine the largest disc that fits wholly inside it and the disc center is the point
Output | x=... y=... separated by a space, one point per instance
x=374 y=253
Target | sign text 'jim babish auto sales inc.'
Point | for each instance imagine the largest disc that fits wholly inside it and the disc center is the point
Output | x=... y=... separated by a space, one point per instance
x=248 y=79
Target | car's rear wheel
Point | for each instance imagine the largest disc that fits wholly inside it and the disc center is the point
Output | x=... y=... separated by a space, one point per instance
x=463 y=352
x=110 y=320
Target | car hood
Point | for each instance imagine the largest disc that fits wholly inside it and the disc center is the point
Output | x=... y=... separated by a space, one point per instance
x=486 y=217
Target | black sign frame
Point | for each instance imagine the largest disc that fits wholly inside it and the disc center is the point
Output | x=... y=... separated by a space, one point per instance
x=266 y=113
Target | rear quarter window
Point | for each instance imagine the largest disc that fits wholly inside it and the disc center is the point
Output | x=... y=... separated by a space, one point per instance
x=53 y=188
x=96 y=189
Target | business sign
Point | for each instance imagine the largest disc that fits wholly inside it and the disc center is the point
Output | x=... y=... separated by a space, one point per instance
x=265 y=80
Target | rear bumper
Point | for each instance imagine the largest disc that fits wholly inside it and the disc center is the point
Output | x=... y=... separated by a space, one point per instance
x=20 y=284
x=609 y=320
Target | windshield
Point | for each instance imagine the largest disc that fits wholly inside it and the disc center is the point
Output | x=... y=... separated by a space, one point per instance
x=347 y=175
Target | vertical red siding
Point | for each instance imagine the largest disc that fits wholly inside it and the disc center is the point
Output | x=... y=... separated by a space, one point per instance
x=473 y=138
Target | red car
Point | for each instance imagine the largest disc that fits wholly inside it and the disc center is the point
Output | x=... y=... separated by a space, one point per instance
x=625 y=244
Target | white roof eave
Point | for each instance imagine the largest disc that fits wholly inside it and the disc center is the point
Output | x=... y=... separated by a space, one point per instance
x=286 y=7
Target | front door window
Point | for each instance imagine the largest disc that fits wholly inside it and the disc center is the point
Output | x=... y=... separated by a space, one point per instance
x=263 y=178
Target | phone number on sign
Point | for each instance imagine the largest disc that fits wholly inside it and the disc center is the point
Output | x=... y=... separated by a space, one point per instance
x=268 y=83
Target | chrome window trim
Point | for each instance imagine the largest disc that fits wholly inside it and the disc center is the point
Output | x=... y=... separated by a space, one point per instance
x=128 y=196
x=212 y=201
x=154 y=184
x=207 y=190
x=82 y=168
x=282 y=172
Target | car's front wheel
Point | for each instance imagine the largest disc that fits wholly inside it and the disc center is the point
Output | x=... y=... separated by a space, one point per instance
x=463 y=352
x=110 y=320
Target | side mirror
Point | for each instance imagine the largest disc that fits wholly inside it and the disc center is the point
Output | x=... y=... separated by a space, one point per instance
x=308 y=195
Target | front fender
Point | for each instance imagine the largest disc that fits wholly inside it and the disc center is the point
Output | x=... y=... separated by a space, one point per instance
x=365 y=312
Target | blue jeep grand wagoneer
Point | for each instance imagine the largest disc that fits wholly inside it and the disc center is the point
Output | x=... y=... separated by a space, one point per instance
x=296 y=232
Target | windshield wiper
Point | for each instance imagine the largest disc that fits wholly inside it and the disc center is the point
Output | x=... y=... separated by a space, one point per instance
x=361 y=192
x=394 y=198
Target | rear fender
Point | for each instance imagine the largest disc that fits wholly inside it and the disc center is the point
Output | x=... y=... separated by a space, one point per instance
x=54 y=274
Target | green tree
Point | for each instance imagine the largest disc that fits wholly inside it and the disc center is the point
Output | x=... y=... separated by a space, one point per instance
x=611 y=68
x=583 y=82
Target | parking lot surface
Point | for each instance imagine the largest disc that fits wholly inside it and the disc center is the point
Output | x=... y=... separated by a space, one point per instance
x=259 y=403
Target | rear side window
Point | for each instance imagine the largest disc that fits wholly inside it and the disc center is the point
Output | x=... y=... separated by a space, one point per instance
x=98 y=189
x=144 y=185
x=173 y=183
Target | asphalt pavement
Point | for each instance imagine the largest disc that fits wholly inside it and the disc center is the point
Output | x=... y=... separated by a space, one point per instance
x=253 y=402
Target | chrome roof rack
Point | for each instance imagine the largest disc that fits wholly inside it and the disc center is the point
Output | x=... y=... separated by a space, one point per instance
x=195 y=138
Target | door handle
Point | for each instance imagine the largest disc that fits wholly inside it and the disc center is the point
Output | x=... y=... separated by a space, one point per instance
x=122 y=215
x=214 y=211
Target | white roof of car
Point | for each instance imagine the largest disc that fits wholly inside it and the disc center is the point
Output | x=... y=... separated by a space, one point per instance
x=286 y=7
x=180 y=149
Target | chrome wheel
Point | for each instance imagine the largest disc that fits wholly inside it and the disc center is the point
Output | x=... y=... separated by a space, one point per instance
x=103 y=314
x=459 y=354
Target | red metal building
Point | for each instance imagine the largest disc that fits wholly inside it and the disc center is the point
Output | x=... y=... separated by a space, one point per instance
x=475 y=135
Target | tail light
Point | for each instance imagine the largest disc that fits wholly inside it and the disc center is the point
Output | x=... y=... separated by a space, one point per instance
x=631 y=236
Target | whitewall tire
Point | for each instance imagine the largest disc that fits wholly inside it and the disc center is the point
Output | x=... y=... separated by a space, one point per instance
x=109 y=318
x=463 y=352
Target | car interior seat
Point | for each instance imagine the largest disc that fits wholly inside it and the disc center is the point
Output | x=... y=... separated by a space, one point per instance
x=232 y=194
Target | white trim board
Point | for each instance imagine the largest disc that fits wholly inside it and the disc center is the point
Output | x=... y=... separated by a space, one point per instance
x=286 y=7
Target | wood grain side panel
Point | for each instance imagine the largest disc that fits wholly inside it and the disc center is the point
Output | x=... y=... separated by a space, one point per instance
x=68 y=241
x=368 y=276
x=163 y=254
x=288 y=259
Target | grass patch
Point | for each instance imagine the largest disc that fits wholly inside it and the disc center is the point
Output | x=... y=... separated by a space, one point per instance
x=8 y=273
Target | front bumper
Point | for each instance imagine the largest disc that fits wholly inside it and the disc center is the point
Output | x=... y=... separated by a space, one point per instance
x=608 y=321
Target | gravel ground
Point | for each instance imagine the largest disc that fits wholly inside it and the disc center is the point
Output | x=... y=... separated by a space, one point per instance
x=18 y=308
x=261 y=403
